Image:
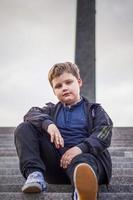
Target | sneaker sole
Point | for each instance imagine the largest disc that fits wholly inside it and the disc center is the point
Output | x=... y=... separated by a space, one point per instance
x=32 y=188
x=85 y=182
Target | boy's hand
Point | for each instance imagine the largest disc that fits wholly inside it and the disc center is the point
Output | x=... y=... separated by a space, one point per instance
x=69 y=155
x=55 y=136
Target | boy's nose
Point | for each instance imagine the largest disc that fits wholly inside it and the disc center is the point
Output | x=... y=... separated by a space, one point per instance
x=64 y=87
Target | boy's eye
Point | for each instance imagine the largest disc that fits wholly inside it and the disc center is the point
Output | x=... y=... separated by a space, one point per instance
x=58 y=86
x=69 y=82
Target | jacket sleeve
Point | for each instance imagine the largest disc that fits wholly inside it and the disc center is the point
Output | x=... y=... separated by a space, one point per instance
x=100 y=138
x=39 y=117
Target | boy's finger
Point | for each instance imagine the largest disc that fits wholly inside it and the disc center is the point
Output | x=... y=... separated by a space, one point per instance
x=58 y=138
x=56 y=141
x=61 y=142
x=64 y=163
x=52 y=137
x=61 y=163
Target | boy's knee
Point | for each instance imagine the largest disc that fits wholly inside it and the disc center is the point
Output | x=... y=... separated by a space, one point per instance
x=21 y=128
x=82 y=158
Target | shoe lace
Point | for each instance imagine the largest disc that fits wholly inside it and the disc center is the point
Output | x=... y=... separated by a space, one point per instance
x=35 y=177
x=75 y=195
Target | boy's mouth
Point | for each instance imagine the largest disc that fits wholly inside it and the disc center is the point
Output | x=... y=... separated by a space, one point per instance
x=66 y=94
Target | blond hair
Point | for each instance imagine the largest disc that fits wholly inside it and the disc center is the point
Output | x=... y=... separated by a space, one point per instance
x=59 y=68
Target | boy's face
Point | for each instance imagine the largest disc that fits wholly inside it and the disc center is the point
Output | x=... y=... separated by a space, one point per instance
x=67 y=88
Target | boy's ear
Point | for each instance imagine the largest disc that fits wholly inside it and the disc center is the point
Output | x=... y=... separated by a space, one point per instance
x=80 y=82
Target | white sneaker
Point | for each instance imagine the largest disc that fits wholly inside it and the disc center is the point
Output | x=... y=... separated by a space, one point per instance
x=85 y=182
x=34 y=183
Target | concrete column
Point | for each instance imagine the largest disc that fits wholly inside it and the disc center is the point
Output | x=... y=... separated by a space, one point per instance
x=85 y=46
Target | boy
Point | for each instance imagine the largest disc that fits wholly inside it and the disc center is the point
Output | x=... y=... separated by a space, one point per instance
x=66 y=142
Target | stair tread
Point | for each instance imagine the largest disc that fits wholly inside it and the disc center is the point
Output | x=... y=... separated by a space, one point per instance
x=61 y=196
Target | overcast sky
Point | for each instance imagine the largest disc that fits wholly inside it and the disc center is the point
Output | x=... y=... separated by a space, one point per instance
x=114 y=59
x=37 y=34
x=34 y=36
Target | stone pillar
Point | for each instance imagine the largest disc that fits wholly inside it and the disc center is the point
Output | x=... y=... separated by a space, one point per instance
x=85 y=46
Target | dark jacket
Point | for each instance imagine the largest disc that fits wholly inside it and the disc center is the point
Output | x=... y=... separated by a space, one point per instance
x=99 y=129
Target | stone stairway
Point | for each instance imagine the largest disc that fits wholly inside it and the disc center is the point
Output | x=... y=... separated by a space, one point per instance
x=121 y=186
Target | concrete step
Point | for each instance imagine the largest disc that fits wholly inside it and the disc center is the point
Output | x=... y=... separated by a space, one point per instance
x=122 y=165
x=10 y=143
x=122 y=144
x=122 y=131
x=115 y=136
x=7 y=130
x=8 y=151
x=114 y=151
x=7 y=145
x=61 y=196
x=116 y=180
x=120 y=139
x=10 y=137
x=11 y=152
x=6 y=137
x=120 y=153
x=115 y=171
x=9 y=159
x=10 y=171
x=50 y=188
x=122 y=171
x=120 y=159
x=121 y=148
x=67 y=188
x=114 y=164
x=14 y=159
x=117 y=131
